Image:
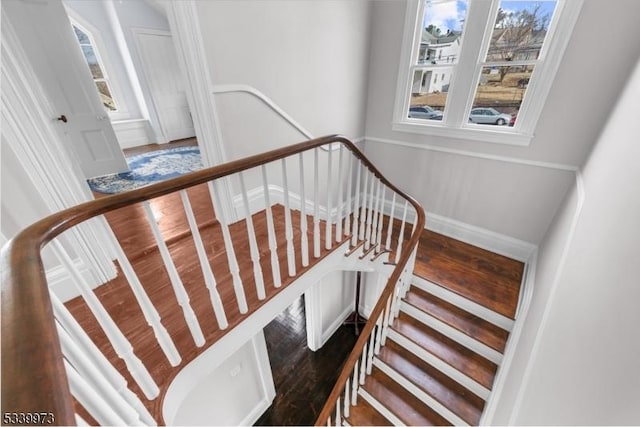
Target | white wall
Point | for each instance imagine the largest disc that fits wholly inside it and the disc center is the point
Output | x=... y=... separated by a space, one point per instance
x=579 y=356
x=309 y=57
x=505 y=197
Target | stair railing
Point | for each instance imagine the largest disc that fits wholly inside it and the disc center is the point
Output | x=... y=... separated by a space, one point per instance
x=49 y=360
x=359 y=364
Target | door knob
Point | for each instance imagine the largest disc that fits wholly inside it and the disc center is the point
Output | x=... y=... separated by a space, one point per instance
x=62 y=118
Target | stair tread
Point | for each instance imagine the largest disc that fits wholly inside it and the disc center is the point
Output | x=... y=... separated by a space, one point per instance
x=448 y=392
x=363 y=414
x=459 y=357
x=400 y=402
x=487 y=333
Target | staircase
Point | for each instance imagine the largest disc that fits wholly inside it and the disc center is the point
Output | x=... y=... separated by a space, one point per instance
x=441 y=354
x=427 y=355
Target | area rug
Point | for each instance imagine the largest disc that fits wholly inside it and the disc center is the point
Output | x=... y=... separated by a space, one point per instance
x=148 y=168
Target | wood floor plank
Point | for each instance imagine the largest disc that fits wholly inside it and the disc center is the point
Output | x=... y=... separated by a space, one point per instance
x=363 y=414
x=484 y=277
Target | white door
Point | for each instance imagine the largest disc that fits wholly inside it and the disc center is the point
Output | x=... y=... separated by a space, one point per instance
x=161 y=67
x=51 y=46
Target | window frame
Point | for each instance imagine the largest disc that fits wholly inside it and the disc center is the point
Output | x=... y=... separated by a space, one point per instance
x=99 y=49
x=475 y=41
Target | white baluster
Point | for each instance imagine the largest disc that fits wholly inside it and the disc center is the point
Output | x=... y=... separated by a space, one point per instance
x=149 y=311
x=231 y=254
x=90 y=400
x=316 y=208
x=349 y=208
x=363 y=212
x=356 y=206
x=338 y=418
x=391 y=219
x=347 y=404
x=95 y=379
x=328 y=224
x=401 y=237
x=253 y=244
x=363 y=364
x=380 y=221
x=304 y=237
x=119 y=342
x=371 y=348
x=376 y=215
x=89 y=349
x=387 y=321
x=287 y=222
x=354 y=385
x=378 y=338
x=273 y=245
x=174 y=278
x=207 y=273
x=340 y=202
x=370 y=213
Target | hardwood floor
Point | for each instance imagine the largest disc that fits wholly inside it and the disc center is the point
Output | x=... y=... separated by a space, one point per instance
x=303 y=378
x=187 y=142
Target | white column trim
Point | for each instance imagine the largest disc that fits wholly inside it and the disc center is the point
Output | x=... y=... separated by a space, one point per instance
x=187 y=37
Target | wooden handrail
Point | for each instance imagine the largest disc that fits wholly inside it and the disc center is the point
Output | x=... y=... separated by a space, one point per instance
x=33 y=375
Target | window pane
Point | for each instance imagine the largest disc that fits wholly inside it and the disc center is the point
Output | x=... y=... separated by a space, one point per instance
x=520 y=30
x=500 y=93
x=105 y=95
x=92 y=61
x=429 y=90
x=442 y=31
x=82 y=37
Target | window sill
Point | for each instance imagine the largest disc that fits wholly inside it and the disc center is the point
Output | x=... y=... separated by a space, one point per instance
x=474 y=133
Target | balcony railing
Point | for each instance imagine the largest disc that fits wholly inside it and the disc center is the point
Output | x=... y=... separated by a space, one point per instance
x=51 y=366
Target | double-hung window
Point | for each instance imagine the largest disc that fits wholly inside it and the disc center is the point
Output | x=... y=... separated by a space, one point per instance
x=480 y=69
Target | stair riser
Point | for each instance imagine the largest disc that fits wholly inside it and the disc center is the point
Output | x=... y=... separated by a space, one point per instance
x=459 y=337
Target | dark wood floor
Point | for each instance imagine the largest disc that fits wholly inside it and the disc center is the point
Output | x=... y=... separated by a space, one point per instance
x=187 y=142
x=303 y=378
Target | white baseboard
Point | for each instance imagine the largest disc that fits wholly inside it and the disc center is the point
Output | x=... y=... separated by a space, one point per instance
x=132 y=133
x=481 y=237
x=61 y=283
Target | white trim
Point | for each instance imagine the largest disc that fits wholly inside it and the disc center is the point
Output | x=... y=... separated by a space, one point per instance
x=486 y=239
x=132 y=133
x=420 y=394
x=484 y=156
x=451 y=332
x=500 y=135
x=261 y=356
x=463 y=303
x=192 y=56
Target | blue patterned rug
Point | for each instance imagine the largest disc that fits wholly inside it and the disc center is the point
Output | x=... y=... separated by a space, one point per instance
x=148 y=168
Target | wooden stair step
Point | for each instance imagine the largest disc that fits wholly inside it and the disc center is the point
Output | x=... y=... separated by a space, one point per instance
x=461 y=358
x=448 y=392
x=465 y=322
x=363 y=414
x=400 y=402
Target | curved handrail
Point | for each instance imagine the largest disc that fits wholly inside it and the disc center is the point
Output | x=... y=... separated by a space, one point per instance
x=34 y=378
x=359 y=346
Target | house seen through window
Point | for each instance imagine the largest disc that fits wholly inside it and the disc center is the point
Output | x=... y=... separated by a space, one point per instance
x=92 y=58
x=479 y=65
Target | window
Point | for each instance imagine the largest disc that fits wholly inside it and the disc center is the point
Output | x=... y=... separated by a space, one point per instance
x=92 y=58
x=495 y=58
